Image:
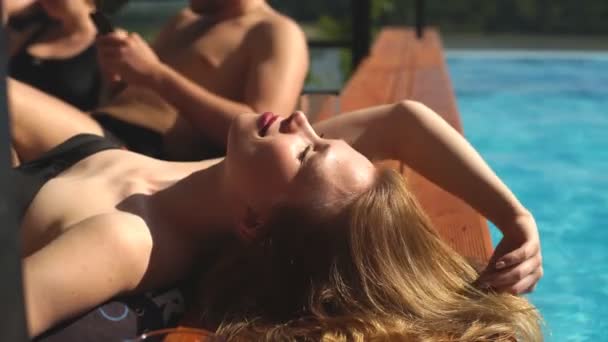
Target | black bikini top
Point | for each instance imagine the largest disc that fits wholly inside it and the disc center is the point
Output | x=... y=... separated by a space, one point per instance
x=76 y=80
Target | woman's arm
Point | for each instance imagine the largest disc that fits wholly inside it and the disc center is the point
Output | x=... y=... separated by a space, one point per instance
x=413 y=133
x=90 y=263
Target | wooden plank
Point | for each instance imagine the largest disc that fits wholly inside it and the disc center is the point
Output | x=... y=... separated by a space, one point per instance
x=458 y=223
x=403 y=67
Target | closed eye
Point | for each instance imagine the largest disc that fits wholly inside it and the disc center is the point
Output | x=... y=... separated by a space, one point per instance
x=302 y=155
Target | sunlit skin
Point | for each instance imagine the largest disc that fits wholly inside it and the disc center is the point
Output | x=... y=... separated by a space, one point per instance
x=291 y=162
x=169 y=213
x=74 y=33
x=157 y=218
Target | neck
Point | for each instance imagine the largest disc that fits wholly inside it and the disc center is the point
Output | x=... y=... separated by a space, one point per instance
x=77 y=24
x=200 y=203
x=239 y=8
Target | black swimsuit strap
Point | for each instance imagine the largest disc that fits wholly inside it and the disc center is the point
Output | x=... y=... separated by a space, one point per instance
x=29 y=177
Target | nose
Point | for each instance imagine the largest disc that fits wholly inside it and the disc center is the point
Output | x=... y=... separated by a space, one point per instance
x=293 y=123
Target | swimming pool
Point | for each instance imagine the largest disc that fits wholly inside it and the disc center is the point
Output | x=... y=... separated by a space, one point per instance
x=541 y=121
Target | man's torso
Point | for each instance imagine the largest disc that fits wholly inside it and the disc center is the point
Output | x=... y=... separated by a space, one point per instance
x=215 y=56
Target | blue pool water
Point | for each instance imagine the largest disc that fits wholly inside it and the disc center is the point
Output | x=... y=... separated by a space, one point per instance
x=541 y=121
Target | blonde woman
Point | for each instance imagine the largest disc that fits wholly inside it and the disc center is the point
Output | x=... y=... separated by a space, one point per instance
x=315 y=242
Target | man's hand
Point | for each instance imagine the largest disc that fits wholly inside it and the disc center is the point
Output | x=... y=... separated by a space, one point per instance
x=127 y=57
x=516 y=265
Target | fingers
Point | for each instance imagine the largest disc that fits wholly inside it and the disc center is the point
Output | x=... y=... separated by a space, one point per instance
x=112 y=39
x=532 y=288
x=525 y=285
x=117 y=39
x=121 y=33
x=518 y=279
x=110 y=53
x=517 y=256
x=114 y=43
x=514 y=274
x=136 y=37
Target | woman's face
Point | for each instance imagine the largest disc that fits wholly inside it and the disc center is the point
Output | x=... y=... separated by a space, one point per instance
x=271 y=159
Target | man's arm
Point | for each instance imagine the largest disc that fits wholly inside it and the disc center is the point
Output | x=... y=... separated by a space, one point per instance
x=278 y=67
x=414 y=134
x=277 y=71
x=92 y=262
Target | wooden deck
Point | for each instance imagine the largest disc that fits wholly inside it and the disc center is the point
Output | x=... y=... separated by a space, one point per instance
x=403 y=67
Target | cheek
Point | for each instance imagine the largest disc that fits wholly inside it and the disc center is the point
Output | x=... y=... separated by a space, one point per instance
x=262 y=170
x=272 y=168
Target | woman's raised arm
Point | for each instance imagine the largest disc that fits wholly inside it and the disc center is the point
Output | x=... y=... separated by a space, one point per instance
x=411 y=132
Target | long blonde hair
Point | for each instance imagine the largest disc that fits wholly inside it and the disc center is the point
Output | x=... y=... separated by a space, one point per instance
x=377 y=272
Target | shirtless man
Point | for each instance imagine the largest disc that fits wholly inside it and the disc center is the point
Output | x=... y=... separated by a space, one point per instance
x=214 y=60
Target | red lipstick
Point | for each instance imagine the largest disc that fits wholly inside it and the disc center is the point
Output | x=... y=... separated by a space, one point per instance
x=265 y=121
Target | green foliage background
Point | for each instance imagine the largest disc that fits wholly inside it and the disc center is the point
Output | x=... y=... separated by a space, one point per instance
x=331 y=19
x=585 y=17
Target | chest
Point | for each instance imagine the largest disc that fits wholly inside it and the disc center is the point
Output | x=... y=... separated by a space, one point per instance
x=213 y=56
x=67 y=200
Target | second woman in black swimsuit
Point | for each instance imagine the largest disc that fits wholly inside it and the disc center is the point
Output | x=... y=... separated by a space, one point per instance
x=57 y=55
x=55 y=52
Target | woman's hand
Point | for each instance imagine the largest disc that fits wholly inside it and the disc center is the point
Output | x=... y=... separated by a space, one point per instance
x=516 y=265
x=127 y=57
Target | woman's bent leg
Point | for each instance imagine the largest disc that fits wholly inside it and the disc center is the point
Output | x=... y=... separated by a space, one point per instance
x=40 y=122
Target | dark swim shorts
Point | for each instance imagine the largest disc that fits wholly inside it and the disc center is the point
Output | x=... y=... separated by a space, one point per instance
x=135 y=138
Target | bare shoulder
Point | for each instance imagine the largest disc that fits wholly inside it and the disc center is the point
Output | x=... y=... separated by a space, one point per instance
x=278 y=26
x=129 y=228
x=120 y=218
x=129 y=236
x=183 y=18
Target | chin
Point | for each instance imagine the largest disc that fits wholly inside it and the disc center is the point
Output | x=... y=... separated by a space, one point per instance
x=242 y=131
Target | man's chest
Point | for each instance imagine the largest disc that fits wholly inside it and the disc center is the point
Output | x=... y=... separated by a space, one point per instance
x=217 y=58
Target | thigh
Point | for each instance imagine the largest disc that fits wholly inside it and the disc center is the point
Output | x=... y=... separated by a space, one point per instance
x=40 y=122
